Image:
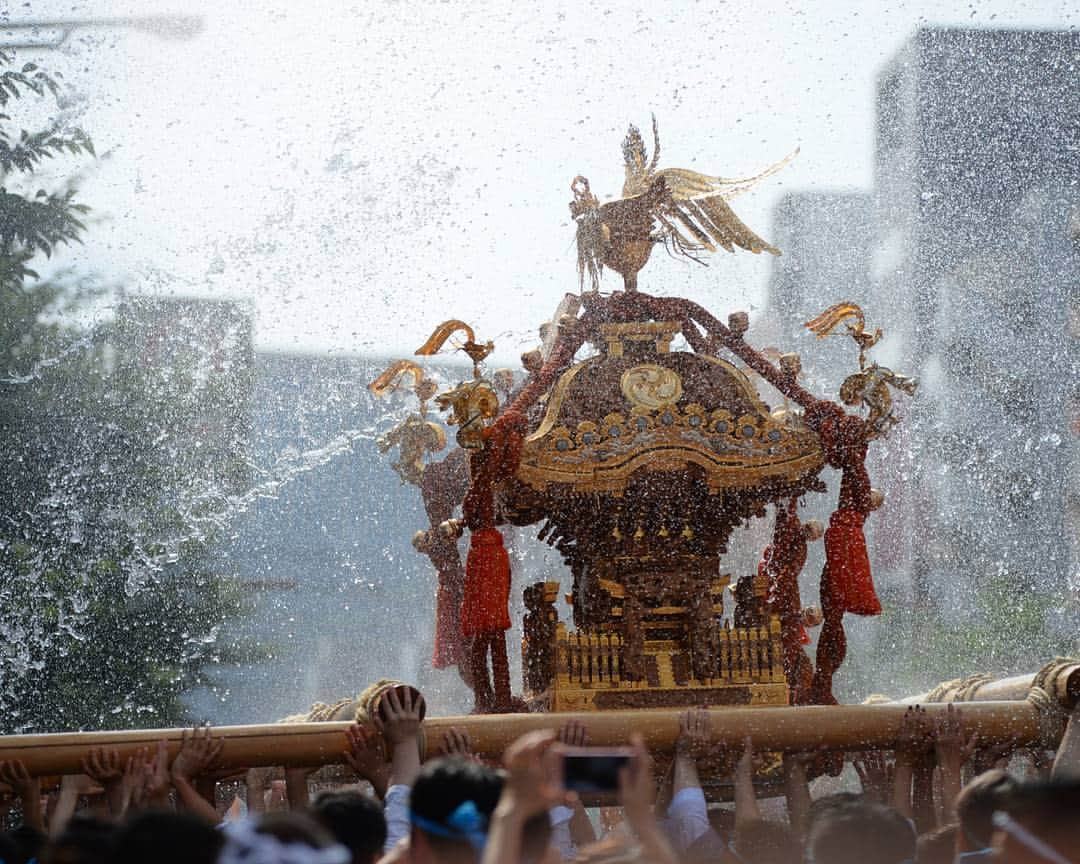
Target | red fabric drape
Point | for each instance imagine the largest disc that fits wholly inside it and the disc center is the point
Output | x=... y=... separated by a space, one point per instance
x=849 y=581
x=846 y=582
x=487 y=585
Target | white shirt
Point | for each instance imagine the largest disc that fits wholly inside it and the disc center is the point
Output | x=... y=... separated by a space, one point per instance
x=396 y=812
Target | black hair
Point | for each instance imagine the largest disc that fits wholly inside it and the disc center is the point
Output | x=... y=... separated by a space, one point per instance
x=859 y=831
x=85 y=840
x=295 y=827
x=167 y=838
x=761 y=841
x=1048 y=809
x=355 y=820
x=441 y=787
x=9 y=850
x=976 y=803
x=29 y=841
x=445 y=784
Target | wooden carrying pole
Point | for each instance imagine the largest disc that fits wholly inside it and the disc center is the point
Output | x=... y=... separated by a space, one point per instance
x=840 y=727
x=1060 y=679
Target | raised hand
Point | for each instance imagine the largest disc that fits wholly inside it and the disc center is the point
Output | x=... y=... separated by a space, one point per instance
x=366 y=755
x=695 y=734
x=636 y=787
x=534 y=781
x=103 y=765
x=456 y=742
x=398 y=717
x=198 y=754
x=156 y=780
x=131 y=782
x=915 y=739
x=28 y=788
x=574 y=734
x=875 y=772
x=952 y=748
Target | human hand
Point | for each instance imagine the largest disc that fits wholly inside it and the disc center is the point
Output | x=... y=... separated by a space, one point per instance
x=574 y=734
x=198 y=753
x=914 y=740
x=398 y=716
x=993 y=756
x=875 y=772
x=636 y=786
x=102 y=765
x=695 y=734
x=534 y=780
x=952 y=747
x=131 y=781
x=456 y=742
x=156 y=780
x=15 y=775
x=748 y=763
x=367 y=756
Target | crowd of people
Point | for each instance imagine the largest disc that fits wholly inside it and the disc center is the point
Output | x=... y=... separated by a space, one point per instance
x=937 y=797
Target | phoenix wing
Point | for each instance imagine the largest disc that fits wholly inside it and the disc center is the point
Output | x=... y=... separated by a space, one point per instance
x=697 y=203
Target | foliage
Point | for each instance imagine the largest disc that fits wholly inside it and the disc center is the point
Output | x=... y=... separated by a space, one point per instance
x=111 y=476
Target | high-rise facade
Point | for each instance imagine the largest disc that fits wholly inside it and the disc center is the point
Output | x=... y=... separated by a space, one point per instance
x=973 y=266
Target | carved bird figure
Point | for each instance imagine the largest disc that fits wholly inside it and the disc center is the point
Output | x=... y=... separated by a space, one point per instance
x=393 y=378
x=870 y=388
x=852 y=315
x=444 y=331
x=684 y=210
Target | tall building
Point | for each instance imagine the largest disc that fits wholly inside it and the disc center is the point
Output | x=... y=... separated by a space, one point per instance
x=967 y=251
x=977 y=174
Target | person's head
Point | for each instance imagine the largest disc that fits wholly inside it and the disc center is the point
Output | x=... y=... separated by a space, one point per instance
x=820 y=807
x=450 y=805
x=85 y=840
x=296 y=829
x=9 y=850
x=764 y=842
x=975 y=807
x=280 y=837
x=859 y=831
x=355 y=820
x=30 y=843
x=938 y=846
x=1037 y=823
x=167 y=838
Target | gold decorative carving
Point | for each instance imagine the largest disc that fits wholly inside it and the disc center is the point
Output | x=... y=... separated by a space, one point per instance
x=651 y=386
x=660 y=333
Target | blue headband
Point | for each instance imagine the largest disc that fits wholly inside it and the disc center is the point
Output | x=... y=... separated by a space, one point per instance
x=465 y=823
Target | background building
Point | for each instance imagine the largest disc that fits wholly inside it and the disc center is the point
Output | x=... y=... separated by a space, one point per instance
x=972 y=268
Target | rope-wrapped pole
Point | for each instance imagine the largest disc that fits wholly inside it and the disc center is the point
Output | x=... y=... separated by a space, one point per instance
x=1059 y=679
x=839 y=727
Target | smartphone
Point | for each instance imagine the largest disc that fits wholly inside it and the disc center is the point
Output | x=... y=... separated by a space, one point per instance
x=594 y=769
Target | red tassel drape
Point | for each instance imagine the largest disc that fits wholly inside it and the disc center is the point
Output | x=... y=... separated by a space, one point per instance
x=487 y=584
x=846 y=582
x=849 y=583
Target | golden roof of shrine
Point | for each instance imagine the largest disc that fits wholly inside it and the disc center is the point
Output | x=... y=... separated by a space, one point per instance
x=639 y=406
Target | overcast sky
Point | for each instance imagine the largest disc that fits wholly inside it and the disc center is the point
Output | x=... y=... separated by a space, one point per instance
x=362 y=170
